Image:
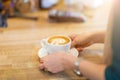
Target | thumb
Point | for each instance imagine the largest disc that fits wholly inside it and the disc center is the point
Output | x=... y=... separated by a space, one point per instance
x=72 y=36
x=80 y=49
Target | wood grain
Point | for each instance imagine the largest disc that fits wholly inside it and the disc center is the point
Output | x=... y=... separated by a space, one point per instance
x=19 y=44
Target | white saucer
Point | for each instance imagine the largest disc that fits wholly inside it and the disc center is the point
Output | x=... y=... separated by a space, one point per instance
x=43 y=52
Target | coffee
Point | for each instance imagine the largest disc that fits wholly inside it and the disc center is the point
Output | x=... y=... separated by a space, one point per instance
x=56 y=43
x=58 y=40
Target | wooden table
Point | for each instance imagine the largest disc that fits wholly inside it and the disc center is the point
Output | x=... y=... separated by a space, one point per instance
x=19 y=45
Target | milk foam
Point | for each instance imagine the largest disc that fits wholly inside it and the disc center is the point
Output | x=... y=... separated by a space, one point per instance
x=58 y=41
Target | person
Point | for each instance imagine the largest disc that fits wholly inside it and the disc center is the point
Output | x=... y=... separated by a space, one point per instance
x=110 y=70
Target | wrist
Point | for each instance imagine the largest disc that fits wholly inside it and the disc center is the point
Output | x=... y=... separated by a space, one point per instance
x=76 y=66
x=92 y=37
x=95 y=37
x=68 y=61
x=98 y=36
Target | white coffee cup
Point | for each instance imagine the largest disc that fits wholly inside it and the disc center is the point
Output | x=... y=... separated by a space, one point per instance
x=52 y=48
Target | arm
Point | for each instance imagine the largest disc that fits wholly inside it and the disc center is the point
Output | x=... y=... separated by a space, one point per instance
x=80 y=41
x=92 y=71
x=61 y=61
x=99 y=36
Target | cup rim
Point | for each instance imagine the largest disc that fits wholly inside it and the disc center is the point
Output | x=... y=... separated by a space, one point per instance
x=58 y=35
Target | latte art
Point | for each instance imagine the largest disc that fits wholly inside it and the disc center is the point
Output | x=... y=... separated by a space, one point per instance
x=58 y=40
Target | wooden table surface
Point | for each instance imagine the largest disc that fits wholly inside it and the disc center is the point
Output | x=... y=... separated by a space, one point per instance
x=19 y=44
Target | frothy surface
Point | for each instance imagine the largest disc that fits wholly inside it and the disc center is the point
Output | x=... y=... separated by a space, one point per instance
x=59 y=40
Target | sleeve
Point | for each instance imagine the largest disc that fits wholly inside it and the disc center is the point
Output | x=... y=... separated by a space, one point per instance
x=113 y=72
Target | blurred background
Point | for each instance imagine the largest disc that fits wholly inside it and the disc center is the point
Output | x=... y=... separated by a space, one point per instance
x=35 y=19
x=23 y=23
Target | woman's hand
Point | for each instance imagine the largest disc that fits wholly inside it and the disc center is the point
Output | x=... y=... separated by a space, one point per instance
x=57 y=62
x=81 y=41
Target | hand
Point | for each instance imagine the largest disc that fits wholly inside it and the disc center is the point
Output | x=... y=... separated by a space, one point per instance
x=57 y=62
x=81 y=41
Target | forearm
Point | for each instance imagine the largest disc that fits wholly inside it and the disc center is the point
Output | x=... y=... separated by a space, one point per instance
x=99 y=36
x=92 y=71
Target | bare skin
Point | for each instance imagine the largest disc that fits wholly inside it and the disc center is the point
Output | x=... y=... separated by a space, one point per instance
x=61 y=61
x=81 y=41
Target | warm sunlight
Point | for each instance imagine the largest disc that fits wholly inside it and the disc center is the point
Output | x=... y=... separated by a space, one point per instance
x=59 y=40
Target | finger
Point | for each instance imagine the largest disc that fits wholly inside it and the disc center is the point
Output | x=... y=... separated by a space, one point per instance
x=74 y=43
x=80 y=49
x=72 y=36
x=86 y=45
x=83 y=45
x=42 y=66
x=41 y=61
x=90 y=43
x=45 y=69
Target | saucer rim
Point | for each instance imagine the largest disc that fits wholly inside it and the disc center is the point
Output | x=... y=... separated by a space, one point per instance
x=39 y=51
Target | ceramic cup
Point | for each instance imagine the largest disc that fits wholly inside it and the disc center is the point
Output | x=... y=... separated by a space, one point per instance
x=52 y=48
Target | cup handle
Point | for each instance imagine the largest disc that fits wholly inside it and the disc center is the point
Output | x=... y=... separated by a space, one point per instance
x=43 y=43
